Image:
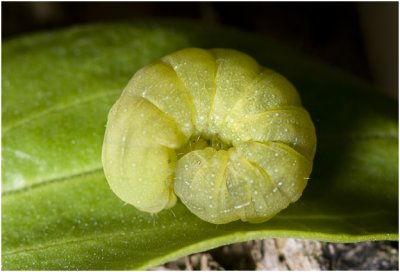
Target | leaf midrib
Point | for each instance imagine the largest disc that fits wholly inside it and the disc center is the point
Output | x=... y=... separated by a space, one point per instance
x=58 y=107
x=94 y=170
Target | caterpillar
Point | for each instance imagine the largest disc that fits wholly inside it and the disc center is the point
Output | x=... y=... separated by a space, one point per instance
x=227 y=136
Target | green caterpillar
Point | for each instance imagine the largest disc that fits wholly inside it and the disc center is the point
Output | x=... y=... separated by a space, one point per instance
x=227 y=136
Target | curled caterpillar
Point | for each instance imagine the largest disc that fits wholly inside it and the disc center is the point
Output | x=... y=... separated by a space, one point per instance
x=227 y=136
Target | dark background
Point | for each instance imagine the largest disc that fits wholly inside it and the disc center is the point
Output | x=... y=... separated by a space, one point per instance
x=361 y=37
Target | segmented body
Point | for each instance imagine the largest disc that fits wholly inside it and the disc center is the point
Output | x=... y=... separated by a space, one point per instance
x=227 y=136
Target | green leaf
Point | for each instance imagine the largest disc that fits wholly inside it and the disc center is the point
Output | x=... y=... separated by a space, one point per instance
x=57 y=209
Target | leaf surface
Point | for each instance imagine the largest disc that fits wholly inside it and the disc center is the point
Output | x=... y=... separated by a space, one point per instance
x=57 y=209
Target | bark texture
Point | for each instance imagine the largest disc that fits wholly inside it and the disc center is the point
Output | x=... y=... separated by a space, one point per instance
x=292 y=254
